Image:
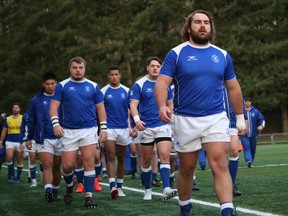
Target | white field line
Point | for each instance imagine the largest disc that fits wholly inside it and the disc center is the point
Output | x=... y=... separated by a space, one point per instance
x=215 y=205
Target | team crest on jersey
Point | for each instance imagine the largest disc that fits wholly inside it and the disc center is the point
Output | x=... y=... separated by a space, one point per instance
x=87 y=88
x=192 y=58
x=123 y=96
x=215 y=58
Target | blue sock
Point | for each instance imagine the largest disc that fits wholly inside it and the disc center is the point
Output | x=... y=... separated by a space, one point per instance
x=98 y=168
x=10 y=170
x=19 y=171
x=79 y=174
x=89 y=177
x=133 y=161
x=165 y=174
x=146 y=177
x=32 y=169
x=68 y=178
x=112 y=183
x=154 y=175
x=185 y=209
x=233 y=168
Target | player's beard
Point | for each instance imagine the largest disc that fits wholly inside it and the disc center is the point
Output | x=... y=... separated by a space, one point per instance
x=199 y=40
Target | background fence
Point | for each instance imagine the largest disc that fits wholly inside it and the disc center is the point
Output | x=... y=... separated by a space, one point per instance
x=274 y=138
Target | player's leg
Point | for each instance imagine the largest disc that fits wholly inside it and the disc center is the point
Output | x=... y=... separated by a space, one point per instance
x=19 y=154
x=110 y=146
x=9 y=161
x=147 y=150
x=234 y=160
x=187 y=166
x=120 y=153
x=246 y=150
x=217 y=157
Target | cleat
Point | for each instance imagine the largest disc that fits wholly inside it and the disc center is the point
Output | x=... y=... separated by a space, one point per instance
x=33 y=183
x=114 y=193
x=80 y=188
x=55 y=196
x=203 y=166
x=121 y=193
x=156 y=183
x=17 y=181
x=104 y=175
x=10 y=180
x=89 y=203
x=97 y=186
x=169 y=193
x=49 y=197
x=68 y=195
x=147 y=194
x=249 y=164
x=236 y=192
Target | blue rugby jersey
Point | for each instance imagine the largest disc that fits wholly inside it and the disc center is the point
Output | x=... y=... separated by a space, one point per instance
x=78 y=100
x=143 y=91
x=198 y=74
x=116 y=101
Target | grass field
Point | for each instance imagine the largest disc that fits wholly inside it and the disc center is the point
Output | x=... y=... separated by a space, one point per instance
x=264 y=192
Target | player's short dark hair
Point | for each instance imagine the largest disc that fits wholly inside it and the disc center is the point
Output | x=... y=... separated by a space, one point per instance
x=153 y=58
x=16 y=104
x=48 y=76
x=113 y=67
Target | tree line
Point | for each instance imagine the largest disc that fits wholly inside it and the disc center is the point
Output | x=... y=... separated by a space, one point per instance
x=41 y=36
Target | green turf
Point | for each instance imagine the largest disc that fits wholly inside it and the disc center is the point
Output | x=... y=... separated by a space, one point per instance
x=264 y=188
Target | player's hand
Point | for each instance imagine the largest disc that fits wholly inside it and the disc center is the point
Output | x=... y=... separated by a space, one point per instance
x=133 y=133
x=240 y=124
x=260 y=128
x=102 y=136
x=165 y=114
x=58 y=131
x=140 y=125
x=29 y=144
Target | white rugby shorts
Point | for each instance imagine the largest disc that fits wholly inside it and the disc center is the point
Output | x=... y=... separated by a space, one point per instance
x=190 y=132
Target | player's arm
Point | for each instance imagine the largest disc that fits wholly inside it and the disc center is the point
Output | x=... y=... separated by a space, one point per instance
x=161 y=95
x=3 y=136
x=235 y=97
x=54 y=106
x=140 y=125
x=101 y=113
